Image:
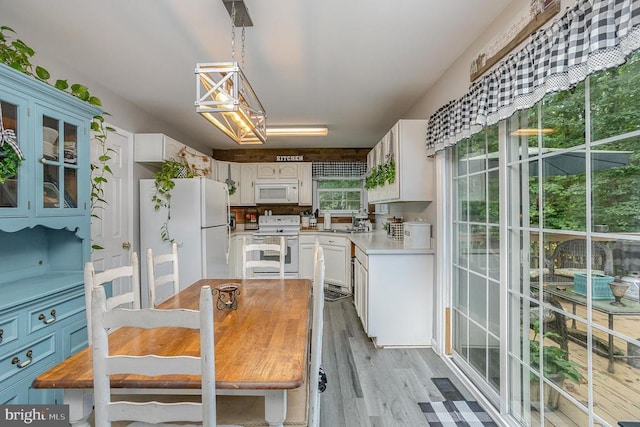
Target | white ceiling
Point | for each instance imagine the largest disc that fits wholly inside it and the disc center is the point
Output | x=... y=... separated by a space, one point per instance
x=354 y=65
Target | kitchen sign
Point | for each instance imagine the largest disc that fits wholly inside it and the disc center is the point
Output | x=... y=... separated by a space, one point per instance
x=289 y=158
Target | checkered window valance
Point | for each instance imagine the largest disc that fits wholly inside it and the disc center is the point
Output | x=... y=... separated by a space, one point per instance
x=591 y=36
x=338 y=169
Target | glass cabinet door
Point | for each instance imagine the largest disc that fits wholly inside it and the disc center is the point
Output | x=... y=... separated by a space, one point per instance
x=13 y=193
x=59 y=161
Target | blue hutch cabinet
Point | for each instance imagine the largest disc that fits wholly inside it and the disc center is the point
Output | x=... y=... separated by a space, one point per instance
x=45 y=234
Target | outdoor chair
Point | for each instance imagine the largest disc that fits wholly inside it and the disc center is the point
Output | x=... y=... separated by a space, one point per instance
x=570 y=257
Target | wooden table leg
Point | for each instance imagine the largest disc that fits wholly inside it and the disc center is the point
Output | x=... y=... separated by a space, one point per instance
x=275 y=407
x=80 y=403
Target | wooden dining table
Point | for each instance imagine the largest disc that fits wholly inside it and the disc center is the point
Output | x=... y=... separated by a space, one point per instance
x=261 y=349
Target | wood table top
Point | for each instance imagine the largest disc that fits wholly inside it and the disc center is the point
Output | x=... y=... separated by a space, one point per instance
x=261 y=345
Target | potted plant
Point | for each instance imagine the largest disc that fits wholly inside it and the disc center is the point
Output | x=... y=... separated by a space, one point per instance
x=169 y=170
x=556 y=366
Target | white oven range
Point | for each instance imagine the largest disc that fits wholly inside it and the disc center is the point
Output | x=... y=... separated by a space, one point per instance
x=270 y=229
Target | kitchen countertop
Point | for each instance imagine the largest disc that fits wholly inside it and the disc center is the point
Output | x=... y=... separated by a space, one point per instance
x=377 y=243
x=371 y=243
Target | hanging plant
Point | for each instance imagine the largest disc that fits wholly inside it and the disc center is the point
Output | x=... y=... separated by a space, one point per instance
x=381 y=174
x=371 y=180
x=161 y=198
x=390 y=171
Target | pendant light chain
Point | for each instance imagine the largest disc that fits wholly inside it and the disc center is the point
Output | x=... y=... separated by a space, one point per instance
x=242 y=54
x=233 y=31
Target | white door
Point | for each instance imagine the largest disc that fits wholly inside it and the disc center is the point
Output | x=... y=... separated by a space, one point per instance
x=112 y=230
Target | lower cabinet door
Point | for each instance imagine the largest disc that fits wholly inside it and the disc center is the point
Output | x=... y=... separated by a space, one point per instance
x=22 y=393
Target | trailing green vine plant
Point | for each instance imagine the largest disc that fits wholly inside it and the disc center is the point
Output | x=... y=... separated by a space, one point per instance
x=17 y=55
x=100 y=168
x=164 y=183
x=390 y=171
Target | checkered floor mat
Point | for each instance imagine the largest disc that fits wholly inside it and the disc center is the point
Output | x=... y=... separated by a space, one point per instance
x=452 y=413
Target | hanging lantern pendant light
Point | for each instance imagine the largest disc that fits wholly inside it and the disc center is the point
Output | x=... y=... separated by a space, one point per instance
x=225 y=97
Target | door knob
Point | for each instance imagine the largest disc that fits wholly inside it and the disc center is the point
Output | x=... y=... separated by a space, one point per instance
x=126 y=245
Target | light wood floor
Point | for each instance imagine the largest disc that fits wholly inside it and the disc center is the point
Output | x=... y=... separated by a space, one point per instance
x=374 y=387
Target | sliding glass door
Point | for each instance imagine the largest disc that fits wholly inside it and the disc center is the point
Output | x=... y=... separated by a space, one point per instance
x=476 y=261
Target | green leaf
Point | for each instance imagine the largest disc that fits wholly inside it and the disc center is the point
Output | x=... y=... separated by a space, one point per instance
x=94 y=100
x=62 y=84
x=42 y=73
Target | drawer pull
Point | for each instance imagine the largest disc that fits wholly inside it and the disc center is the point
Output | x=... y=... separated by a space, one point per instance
x=44 y=318
x=19 y=364
x=1 y=333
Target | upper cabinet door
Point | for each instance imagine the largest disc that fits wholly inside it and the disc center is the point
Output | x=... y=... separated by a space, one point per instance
x=287 y=170
x=64 y=140
x=267 y=170
x=14 y=191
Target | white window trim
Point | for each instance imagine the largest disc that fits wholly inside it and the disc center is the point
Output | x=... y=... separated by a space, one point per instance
x=335 y=213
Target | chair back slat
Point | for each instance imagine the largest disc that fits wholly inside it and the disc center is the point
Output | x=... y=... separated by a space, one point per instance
x=279 y=250
x=155 y=412
x=153 y=365
x=165 y=284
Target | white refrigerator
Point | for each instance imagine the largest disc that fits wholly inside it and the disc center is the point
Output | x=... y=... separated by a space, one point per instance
x=198 y=223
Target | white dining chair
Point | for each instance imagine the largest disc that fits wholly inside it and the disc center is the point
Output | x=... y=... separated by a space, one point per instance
x=313 y=405
x=162 y=275
x=141 y=411
x=275 y=251
x=118 y=278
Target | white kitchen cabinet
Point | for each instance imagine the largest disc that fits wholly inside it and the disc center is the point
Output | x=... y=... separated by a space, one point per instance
x=248 y=173
x=394 y=298
x=361 y=281
x=230 y=171
x=305 y=255
x=336 y=260
x=277 y=170
x=305 y=188
x=155 y=148
x=414 y=171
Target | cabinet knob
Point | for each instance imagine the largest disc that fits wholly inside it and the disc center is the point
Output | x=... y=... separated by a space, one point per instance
x=43 y=160
x=16 y=361
x=126 y=245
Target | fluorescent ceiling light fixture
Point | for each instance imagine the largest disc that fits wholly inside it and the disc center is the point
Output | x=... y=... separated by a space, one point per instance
x=298 y=131
x=531 y=131
x=226 y=99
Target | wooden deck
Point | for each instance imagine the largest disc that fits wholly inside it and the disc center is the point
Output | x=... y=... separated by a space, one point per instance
x=616 y=396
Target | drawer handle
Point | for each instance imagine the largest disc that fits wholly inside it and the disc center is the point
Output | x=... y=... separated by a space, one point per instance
x=1 y=333
x=48 y=321
x=19 y=364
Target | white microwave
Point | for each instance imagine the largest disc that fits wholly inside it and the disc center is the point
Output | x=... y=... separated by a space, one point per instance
x=276 y=191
